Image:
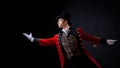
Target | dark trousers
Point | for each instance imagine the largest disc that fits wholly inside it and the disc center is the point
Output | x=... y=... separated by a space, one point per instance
x=81 y=61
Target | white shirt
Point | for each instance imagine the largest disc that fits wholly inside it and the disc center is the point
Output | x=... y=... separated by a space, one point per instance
x=65 y=31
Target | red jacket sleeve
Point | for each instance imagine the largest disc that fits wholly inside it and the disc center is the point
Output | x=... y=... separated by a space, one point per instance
x=89 y=38
x=47 y=41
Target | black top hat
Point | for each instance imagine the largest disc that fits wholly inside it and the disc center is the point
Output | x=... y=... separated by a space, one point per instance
x=64 y=15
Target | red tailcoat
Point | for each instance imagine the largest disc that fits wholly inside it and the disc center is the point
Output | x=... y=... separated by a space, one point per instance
x=83 y=36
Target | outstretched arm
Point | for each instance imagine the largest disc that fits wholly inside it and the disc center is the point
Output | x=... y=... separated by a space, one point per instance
x=96 y=40
x=44 y=42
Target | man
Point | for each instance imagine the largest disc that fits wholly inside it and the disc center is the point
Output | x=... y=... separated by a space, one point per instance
x=71 y=50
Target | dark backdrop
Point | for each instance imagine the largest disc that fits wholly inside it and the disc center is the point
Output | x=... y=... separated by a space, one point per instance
x=96 y=17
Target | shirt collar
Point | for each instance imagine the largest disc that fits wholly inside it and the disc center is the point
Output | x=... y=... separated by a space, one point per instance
x=65 y=30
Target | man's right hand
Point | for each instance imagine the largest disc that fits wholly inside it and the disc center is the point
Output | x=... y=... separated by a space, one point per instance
x=29 y=36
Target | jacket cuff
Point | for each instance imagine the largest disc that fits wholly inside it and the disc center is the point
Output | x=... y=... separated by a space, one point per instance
x=103 y=41
x=35 y=40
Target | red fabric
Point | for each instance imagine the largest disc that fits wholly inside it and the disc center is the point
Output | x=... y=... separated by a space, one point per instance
x=83 y=35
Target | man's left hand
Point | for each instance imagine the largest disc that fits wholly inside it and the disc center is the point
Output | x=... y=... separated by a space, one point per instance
x=111 y=41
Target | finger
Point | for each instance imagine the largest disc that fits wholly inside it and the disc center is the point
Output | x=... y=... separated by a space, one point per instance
x=30 y=34
x=25 y=34
x=112 y=40
x=115 y=40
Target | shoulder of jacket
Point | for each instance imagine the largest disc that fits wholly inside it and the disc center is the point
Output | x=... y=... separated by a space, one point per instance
x=56 y=35
x=79 y=29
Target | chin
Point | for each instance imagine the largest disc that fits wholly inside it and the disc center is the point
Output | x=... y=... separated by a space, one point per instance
x=59 y=27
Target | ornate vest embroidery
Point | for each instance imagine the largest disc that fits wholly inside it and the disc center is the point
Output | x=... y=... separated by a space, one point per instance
x=70 y=44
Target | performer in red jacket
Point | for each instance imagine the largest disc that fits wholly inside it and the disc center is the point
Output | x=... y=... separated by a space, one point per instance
x=72 y=52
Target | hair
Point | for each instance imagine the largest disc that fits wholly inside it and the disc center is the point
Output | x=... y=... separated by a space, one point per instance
x=69 y=23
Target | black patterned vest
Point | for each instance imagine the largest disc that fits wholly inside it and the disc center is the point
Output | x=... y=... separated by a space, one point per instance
x=71 y=43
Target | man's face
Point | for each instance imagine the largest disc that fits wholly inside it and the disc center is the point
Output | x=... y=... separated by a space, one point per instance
x=61 y=22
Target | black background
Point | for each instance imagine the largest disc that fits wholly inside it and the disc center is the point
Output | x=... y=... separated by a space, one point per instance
x=97 y=17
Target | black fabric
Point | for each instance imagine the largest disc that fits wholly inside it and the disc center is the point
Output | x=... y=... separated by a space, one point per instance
x=64 y=15
x=103 y=41
x=35 y=40
x=81 y=61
